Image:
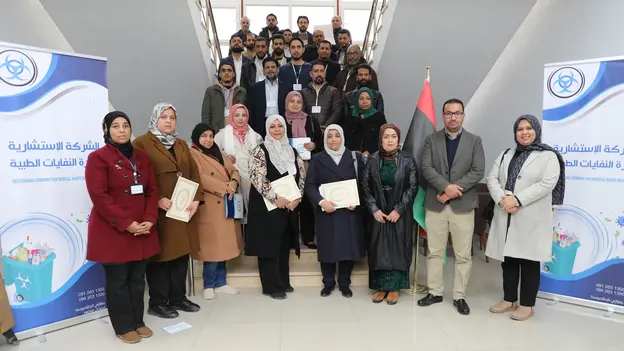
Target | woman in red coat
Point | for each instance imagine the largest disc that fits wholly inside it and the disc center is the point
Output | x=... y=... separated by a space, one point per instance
x=122 y=186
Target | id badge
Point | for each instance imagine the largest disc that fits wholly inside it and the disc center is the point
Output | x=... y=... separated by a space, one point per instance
x=136 y=189
x=226 y=112
x=296 y=87
x=316 y=109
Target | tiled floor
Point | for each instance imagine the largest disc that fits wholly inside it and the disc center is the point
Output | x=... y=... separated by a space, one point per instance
x=306 y=321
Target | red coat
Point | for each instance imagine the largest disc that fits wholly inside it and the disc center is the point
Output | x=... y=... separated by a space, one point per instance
x=109 y=175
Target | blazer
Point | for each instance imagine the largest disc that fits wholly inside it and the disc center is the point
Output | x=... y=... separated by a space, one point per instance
x=467 y=170
x=530 y=229
x=109 y=176
x=230 y=59
x=287 y=74
x=248 y=76
x=173 y=234
x=256 y=103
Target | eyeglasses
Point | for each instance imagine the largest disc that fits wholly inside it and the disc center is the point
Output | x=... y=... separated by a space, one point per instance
x=449 y=114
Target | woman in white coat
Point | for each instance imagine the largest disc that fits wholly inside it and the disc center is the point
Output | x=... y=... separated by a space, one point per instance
x=525 y=183
x=236 y=141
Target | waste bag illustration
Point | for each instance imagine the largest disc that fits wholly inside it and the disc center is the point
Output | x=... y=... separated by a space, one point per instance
x=562 y=259
x=32 y=277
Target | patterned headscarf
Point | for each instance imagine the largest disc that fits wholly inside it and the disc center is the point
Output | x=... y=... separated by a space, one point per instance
x=239 y=132
x=389 y=155
x=166 y=139
x=525 y=150
x=336 y=155
x=281 y=154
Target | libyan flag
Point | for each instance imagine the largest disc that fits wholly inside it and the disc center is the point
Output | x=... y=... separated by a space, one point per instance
x=423 y=123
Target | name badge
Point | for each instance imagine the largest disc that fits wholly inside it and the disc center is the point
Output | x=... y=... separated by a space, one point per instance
x=226 y=112
x=271 y=103
x=316 y=109
x=136 y=189
x=297 y=87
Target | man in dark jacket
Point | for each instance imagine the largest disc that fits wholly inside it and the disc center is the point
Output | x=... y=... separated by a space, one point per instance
x=336 y=27
x=320 y=100
x=220 y=97
x=267 y=97
x=252 y=70
x=344 y=40
x=303 y=34
x=236 y=58
x=364 y=72
x=347 y=78
x=278 y=42
x=311 y=52
x=271 y=28
x=332 y=68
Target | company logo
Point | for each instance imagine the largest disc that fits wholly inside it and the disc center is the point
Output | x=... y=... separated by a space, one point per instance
x=16 y=68
x=566 y=82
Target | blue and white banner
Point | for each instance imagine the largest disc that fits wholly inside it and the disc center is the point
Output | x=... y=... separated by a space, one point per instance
x=51 y=108
x=583 y=105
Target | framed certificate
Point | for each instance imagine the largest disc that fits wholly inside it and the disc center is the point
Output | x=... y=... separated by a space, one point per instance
x=297 y=143
x=285 y=187
x=183 y=194
x=343 y=193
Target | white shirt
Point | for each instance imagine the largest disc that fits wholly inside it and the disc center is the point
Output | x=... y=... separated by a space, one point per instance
x=238 y=67
x=272 y=92
x=259 y=70
x=287 y=52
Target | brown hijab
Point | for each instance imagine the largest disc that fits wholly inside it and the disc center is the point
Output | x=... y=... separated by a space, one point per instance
x=388 y=155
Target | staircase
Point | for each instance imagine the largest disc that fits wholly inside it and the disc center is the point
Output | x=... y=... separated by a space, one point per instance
x=304 y=271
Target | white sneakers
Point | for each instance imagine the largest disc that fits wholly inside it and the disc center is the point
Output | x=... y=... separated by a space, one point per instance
x=226 y=289
x=209 y=293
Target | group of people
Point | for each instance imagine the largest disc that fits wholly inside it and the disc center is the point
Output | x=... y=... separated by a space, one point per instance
x=243 y=144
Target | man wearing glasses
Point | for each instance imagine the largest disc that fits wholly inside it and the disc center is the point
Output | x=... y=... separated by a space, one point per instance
x=453 y=162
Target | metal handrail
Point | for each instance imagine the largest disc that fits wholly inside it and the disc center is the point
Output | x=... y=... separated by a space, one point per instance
x=212 y=38
x=370 y=40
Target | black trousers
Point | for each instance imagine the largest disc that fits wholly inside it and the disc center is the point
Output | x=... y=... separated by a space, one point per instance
x=344 y=273
x=167 y=281
x=275 y=272
x=306 y=220
x=125 y=287
x=524 y=272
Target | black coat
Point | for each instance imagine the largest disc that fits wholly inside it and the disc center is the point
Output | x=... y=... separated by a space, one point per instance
x=256 y=103
x=265 y=229
x=332 y=69
x=339 y=235
x=313 y=131
x=248 y=74
x=390 y=244
x=311 y=54
x=363 y=134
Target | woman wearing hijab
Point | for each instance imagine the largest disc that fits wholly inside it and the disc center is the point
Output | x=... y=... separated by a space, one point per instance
x=340 y=231
x=271 y=234
x=302 y=126
x=236 y=141
x=217 y=238
x=122 y=186
x=171 y=157
x=363 y=124
x=525 y=183
x=389 y=184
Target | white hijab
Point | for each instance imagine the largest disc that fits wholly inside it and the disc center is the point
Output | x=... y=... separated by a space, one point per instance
x=335 y=155
x=166 y=139
x=281 y=154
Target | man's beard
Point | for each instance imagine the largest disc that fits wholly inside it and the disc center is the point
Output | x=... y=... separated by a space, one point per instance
x=363 y=82
x=271 y=76
x=237 y=49
x=226 y=82
x=278 y=51
x=296 y=56
x=354 y=62
x=250 y=47
x=271 y=26
x=303 y=29
x=260 y=57
x=319 y=80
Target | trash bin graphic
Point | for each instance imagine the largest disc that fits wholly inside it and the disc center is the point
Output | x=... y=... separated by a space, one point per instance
x=562 y=259
x=32 y=282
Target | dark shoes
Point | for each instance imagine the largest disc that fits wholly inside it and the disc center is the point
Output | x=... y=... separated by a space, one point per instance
x=11 y=339
x=276 y=296
x=346 y=292
x=311 y=245
x=462 y=306
x=185 y=306
x=429 y=300
x=289 y=289
x=162 y=311
x=326 y=291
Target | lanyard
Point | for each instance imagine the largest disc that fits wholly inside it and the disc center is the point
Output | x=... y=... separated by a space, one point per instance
x=134 y=170
x=344 y=88
x=297 y=74
x=227 y=100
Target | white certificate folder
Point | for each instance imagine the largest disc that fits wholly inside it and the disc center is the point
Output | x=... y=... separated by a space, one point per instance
x=183 y=194
x=285 y=187
x=343 y=193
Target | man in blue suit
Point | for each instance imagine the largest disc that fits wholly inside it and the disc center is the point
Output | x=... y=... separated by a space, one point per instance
x=296 y=73
x=267 y=97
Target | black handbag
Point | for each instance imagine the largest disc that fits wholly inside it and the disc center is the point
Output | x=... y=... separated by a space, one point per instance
x=488 y=211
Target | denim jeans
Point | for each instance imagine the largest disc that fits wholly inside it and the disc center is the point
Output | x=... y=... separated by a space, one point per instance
x=214 y=274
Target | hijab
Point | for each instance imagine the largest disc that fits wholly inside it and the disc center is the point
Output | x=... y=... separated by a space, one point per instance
x=239 y=132
x=357 y=111
x=296 y=120
x=337 y=154
x=166 y=139
x=525 y=150
x=281 y=154
x=126 y=148
x=214 y=151
x=388 y=155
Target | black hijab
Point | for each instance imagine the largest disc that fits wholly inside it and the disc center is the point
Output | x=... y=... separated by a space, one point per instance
x=214 y=151
x=126 y=148
x=525 y=150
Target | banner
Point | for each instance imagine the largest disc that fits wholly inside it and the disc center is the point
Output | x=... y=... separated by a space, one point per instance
x=583 y=104
x=51 y=109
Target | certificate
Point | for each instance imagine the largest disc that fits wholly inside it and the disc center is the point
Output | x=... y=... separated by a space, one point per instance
x=297 y=143
x=343 y=193
x=183 y=194
x=285 y=187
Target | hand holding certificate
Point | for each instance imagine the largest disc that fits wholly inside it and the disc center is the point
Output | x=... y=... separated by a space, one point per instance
x=285 y=187
x=344 y=193
x=183 y=195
